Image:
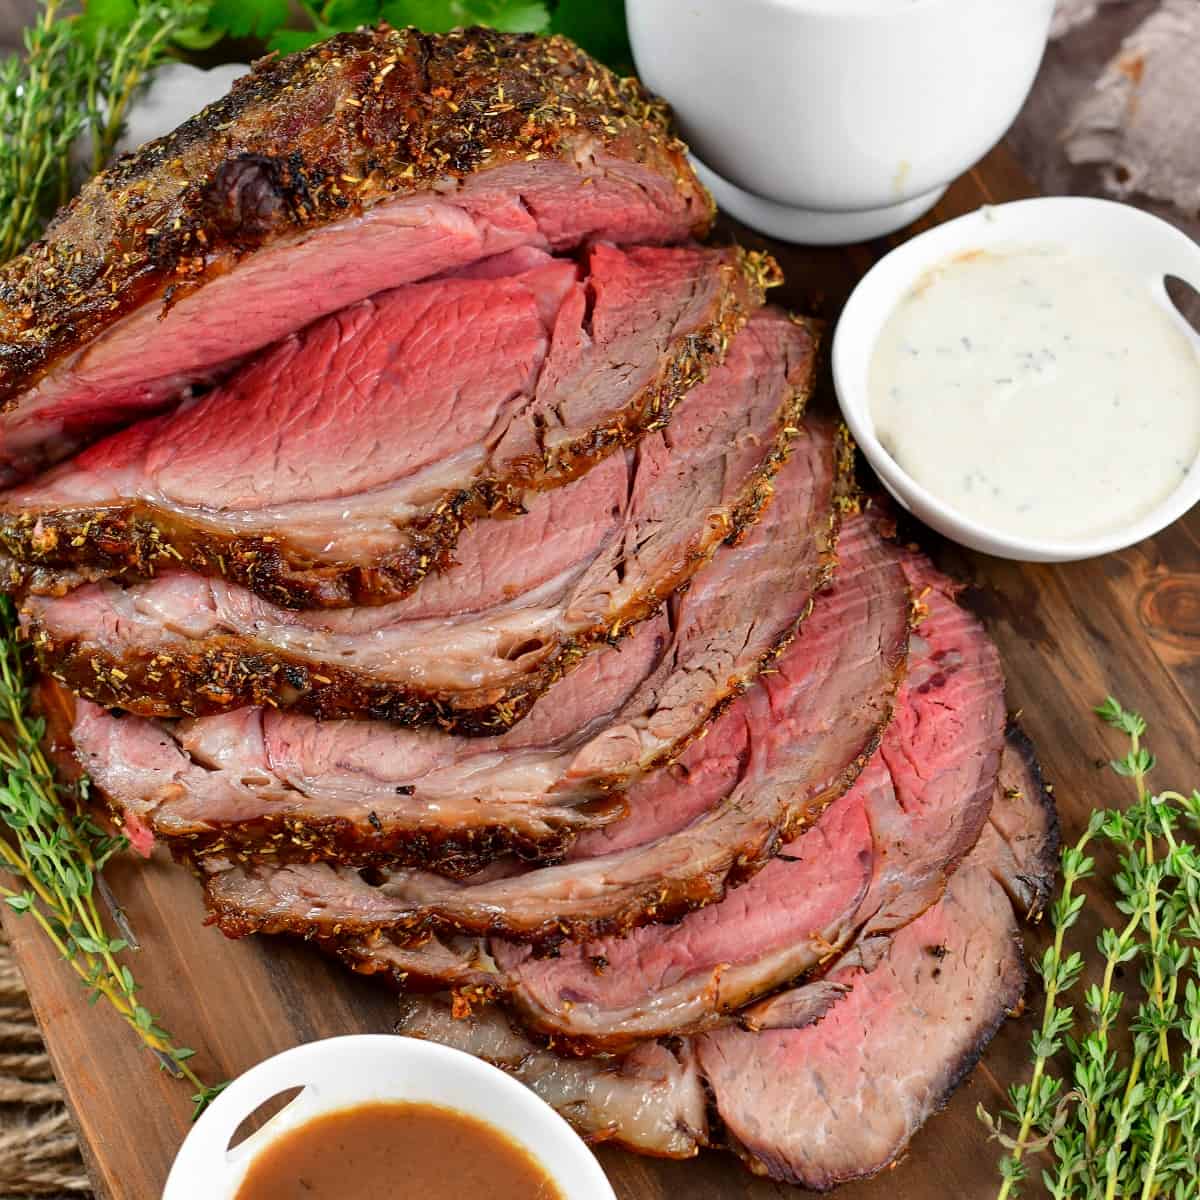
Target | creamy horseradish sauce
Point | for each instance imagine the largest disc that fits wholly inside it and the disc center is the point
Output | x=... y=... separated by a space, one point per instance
x=1040 y=393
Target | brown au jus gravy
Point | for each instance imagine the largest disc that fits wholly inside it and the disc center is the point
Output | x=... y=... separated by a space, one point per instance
x=394 y=1151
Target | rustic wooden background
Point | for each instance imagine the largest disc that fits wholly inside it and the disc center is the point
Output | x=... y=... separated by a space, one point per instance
x=1131 y=623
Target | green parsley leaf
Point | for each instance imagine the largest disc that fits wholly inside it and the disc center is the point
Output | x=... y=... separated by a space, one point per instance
x=248 y=18
x=599 y=27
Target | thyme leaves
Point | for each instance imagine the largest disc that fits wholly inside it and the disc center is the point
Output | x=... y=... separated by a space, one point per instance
x=51 y=859
x=1113 y=1097
x=77 y=77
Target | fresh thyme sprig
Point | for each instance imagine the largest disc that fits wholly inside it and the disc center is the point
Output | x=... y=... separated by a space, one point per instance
x=78 y=75
x=125 y=52
x=42 y=113
x=1117 y=1106
x=52 y=856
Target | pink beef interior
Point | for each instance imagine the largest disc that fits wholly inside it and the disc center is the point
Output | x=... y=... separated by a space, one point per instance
x=154 y=354
x=349 y=430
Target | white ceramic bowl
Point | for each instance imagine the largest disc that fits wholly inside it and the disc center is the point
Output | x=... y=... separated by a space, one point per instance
x=346 y=1071
x=834 y=120
x=1127 y=238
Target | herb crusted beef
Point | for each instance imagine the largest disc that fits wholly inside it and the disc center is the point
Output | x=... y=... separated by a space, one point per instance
x=265 y=783
x=767 y=768
x=621 y=539
x=341 y=466
x=371 y=160
x=873 y=862
x=829 y=1080
x=870 y=864
x=426 y=537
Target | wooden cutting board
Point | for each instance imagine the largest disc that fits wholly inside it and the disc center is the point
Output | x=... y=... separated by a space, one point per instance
x=1127 y=624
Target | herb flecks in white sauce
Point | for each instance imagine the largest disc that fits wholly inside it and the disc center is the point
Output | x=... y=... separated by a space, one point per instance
x=1040 y=393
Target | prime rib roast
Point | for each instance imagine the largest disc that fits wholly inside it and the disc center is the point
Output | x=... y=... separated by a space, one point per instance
x=774 y=761
x=826 y=1080
x=514 y=376
x=368 y=791
x=321 y=180
x=596 y=558
x=438 y=545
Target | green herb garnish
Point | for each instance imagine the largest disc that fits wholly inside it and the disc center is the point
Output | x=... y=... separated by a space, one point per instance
x=53 y=856
x=76 y=77
x=597 y=25
x=1116 y=1104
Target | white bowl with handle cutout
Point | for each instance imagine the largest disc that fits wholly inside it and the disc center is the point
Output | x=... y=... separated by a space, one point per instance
x=1128 y=239
x=344 y=1072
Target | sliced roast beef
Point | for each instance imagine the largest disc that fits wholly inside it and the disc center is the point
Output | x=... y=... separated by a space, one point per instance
x=830 y=1080
x=620 y=540
x=371 y=160
x=341 y=466
x=260 y=782
x=766 y=769
x=869 y=865
x=838 y=1098
x=1022 y=838
x=652 y=1100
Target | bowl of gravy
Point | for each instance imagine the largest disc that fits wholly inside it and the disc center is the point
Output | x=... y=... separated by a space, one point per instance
x=383 y=1116
x=1021 y=380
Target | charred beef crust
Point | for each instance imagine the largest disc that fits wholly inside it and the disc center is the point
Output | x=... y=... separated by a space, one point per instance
x=661 y=903
x=377 y=832
x=305 y=140
x=408 y=970
x=230 y=672
x=1040 y=867
x=664 y=900
x=457 y=854
x=50 y=552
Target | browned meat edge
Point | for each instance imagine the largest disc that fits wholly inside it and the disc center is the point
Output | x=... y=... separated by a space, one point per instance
x=458 y=855
x=666 y=902
x=130 y=541
x=1029 y=889
x=230 y=672
x=1036 y=883
x=420 y=109
x=1036 y=880
x=598 y=1114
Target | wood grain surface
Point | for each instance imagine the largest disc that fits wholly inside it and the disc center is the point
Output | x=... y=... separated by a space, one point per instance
x=1127 y=624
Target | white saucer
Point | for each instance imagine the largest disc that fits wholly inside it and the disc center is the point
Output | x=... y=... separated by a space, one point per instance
x=808 y=226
